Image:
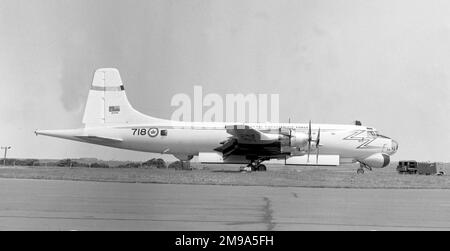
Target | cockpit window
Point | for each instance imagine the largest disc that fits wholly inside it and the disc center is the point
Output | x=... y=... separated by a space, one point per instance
x=376 y=134
x=382 y=136
x=372 y=133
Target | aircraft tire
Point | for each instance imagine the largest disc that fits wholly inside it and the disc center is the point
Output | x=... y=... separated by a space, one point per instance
x=262 y=168
x=360 y=171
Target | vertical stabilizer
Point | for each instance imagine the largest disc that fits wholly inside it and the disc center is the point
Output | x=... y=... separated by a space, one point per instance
x=107 y=102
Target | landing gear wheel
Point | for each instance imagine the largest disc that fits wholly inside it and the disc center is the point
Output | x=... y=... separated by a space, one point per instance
x=261 y=168
x=360 y=171
x=245 y=169
x=255 y=165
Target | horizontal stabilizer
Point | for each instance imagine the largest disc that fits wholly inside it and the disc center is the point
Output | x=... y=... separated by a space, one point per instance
x=98 y=139
x=65 y=134
x=78 y=135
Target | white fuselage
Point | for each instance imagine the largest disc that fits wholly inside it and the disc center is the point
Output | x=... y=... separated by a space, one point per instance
x=191 y=138
x=110 y=120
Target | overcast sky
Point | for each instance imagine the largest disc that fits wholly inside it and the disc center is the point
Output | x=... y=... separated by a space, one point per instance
x=386 y=63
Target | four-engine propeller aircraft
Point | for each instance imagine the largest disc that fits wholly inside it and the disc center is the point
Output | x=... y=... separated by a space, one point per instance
x=110 y=120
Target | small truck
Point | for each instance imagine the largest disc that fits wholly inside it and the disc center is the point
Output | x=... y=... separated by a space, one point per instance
x=414 y=167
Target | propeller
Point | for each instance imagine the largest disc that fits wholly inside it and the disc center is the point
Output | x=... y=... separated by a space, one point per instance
x=309 y=139
x=290 y=137
x=317 y=146
x=317 y=142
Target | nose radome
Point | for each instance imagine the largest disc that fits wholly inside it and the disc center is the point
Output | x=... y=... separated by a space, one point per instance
x=394 y=146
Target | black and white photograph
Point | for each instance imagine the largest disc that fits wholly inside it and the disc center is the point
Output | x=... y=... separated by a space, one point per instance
x=246 y=118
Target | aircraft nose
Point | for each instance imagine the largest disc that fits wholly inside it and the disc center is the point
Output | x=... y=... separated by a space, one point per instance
x=394 y=146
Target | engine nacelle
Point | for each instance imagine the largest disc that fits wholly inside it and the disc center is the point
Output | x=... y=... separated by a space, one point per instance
x=377 y=160
x=294 y=143
x=299 y=139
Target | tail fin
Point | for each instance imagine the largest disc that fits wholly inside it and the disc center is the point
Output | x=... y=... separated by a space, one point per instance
x=107 y=102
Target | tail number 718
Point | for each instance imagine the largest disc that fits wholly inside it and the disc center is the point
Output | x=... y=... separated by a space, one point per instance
x=152 y=132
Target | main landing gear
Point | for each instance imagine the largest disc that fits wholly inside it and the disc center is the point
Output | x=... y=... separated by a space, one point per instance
x=255 y=165
x=361 y=168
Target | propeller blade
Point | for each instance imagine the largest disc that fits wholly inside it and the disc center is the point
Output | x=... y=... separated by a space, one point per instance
x=317 y=156
x=309 y=130
x=317 y=146
x=318 y=139
x=290 y=137
x=309 y=139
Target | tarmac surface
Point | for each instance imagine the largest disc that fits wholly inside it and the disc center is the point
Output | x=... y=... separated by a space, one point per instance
x=79 y=205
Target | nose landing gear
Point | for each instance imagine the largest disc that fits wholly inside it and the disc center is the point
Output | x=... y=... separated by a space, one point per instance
x=360 y=170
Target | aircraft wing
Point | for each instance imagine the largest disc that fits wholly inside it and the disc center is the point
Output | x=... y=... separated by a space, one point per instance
x=248 y=135
x=249 y=141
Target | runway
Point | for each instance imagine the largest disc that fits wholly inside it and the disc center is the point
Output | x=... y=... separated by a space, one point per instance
x=79 y=205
